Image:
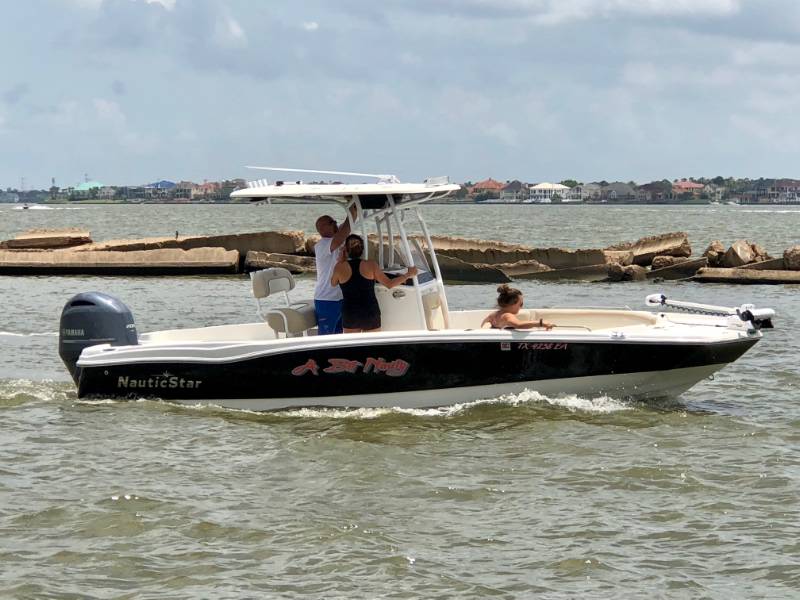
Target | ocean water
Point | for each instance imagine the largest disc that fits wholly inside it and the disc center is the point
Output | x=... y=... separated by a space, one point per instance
x=511 y=497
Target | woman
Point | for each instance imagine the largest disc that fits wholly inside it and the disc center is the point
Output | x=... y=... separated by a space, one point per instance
x=356 y=278
x=509 y=301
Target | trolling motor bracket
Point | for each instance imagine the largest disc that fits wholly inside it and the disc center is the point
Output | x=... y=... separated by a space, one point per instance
x=758 y=318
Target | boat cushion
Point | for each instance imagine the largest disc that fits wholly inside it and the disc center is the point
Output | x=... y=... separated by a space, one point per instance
x=298 y=318
x=270 y=281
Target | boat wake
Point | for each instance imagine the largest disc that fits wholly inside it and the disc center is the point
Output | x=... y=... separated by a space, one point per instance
x=34 y=334
x=15 y=392
x=571 y=403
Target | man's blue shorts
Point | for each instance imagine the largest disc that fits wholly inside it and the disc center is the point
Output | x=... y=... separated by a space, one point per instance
x=329 y=316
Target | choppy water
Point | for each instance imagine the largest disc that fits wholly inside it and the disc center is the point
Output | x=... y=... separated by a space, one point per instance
x=513 y=497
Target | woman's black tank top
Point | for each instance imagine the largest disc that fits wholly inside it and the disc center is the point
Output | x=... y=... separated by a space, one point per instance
x=358 y=293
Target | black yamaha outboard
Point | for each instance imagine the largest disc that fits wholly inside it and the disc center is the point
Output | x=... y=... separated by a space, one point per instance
x=89 y=319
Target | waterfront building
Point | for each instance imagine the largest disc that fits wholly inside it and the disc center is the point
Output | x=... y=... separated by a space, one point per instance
x=655 y=192
x=546 y=192
x=785 y=191
x=106 y=192
x=86 y=190
x=183 y=190
x=687 y=187
x=586 y=192
x=486 y=189
x=515 y=191
x=9 y=196
x=618 y=192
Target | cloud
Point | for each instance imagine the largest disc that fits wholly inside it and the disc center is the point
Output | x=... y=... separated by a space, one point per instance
x=118 y=87
x=97 y=4
x=109 y=112
x=16 y=93
x=168 y=4
x=229 y=33
x=585 y=88
x=554 y=12
x=502 y=132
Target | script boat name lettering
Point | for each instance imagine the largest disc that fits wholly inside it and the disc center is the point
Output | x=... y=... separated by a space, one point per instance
x=391 y=368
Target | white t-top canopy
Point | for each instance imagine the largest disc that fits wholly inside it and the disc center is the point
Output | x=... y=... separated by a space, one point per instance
x=343 y=192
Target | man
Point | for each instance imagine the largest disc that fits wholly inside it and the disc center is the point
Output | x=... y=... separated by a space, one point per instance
x=328 y=298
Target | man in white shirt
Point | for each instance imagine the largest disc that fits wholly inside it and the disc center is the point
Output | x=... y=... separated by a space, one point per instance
x=328 y=298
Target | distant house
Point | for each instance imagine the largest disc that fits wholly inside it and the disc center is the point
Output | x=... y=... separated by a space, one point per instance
x=586 y=192
x=107 y=192
x=714 y=192
x=655 y=191
x=618 y=192
x=514 y=191
x=545 y=192
x=758 y=194
x=160 y=189
x=487 y=185
x=687 y=187
x=488 y=188
x=785 y=191
x=9 y=196
x=183 y=190
x=86 y=190
x=208 y=190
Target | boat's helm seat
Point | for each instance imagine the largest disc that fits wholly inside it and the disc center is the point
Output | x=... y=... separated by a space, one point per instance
x=295 y=318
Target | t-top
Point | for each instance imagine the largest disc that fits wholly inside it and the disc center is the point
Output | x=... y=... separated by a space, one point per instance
x=326 y=261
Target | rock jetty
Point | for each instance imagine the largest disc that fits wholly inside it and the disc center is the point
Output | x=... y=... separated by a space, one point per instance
x=657 y=257
x=172 y=261
x=47 y=239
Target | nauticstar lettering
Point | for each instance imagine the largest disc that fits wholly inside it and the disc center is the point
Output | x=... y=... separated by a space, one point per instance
x=166 y=381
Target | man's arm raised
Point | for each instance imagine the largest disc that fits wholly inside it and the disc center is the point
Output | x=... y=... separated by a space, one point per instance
x=343 y=231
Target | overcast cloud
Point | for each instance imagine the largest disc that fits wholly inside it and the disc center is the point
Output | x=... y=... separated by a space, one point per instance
x=131 y=91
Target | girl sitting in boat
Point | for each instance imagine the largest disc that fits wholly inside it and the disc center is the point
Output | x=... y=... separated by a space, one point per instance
x=509 y=301
x=356 y=278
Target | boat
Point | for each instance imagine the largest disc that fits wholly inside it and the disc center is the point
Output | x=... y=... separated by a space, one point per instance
x=426 y=354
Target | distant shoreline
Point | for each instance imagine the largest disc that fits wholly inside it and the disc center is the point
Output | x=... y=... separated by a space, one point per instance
x=451 y=203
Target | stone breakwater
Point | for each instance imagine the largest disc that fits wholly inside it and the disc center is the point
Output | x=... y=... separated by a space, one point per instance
x=658 y=257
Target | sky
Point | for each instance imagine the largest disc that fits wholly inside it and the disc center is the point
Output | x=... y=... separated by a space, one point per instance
x=134 y=91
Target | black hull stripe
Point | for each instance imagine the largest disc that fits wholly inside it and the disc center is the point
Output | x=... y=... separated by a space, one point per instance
x=398 y=367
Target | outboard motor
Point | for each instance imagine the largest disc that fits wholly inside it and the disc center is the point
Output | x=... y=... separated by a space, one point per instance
x=89 y=319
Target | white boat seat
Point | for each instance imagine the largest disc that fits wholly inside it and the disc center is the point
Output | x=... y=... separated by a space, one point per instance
x=295 y=318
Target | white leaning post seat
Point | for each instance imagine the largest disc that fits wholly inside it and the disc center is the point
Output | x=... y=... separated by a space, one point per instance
x=294 y=319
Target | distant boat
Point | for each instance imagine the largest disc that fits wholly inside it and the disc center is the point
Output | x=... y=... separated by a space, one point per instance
x=732 y=203
x=34 y=207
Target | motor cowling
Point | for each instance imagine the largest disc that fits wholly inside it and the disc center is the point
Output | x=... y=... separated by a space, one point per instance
x=90 y=319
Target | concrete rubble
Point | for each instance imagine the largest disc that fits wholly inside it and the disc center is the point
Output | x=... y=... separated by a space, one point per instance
x=746 y=276
x=47 y=239
x=171 y=261
x=255 y=261
x=791 y=258
x=658 y=257
x=680 y=269
x=283 y=242
x=665 y=244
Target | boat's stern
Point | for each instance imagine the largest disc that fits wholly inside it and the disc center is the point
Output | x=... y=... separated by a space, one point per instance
x=91 y=319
